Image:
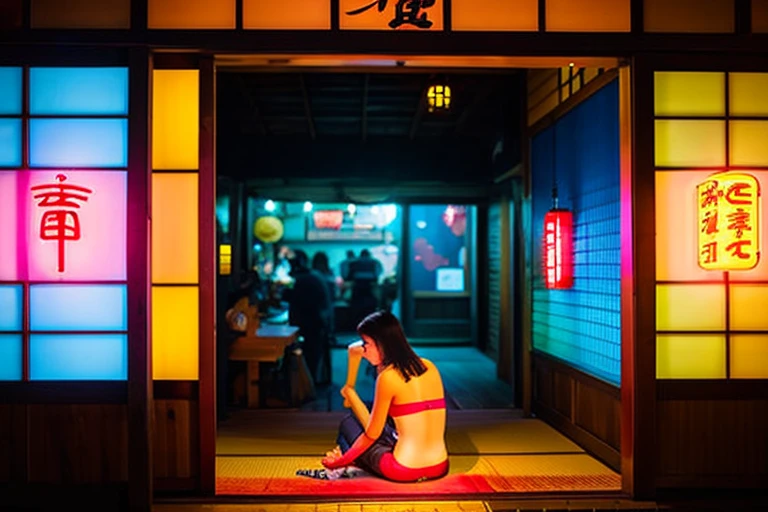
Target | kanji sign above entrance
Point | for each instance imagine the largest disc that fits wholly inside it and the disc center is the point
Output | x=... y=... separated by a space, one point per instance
x=728 y=217
x=391 y=14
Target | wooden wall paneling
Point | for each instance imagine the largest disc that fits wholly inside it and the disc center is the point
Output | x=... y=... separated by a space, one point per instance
x=13 y=443
x=599 y=413
x=567 y=399
x=78 y=444
x=696 y=445
x=176 y=439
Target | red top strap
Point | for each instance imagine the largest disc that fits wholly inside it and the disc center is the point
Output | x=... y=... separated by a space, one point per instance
x=414 y=407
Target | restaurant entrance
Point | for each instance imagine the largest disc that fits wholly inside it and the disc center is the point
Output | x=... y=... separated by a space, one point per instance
x=326 y=158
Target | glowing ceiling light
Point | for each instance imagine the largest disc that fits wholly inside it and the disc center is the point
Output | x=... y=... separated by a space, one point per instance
x=269 y=205
x=307 y=206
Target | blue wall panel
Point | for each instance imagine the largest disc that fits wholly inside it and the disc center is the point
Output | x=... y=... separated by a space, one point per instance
x=10 y=142
x=11 y=300
x=10 y=357
x=78 y=357
x=10 y=91
x=78 y=142
x=78 y=91
x=56 y=307
x=582 y=325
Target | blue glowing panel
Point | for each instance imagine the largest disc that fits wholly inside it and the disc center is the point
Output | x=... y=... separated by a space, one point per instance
x=78 y=357
x=78 y=91
x=11 y=299
x=10 y=357
x=10 y=91
x=78 y=142
x=61 y=307
x=10 y=142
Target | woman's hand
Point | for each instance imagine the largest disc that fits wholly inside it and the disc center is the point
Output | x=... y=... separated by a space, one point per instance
x=345 y=392
x=331 y=459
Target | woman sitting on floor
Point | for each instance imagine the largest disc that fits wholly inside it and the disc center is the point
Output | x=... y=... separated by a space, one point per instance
x=410 y=391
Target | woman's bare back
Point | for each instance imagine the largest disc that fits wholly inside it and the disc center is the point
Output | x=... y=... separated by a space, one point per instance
x=421 y=435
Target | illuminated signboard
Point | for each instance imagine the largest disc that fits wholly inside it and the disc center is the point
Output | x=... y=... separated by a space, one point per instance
x=558 y=249
x=391 y=14
x=328 y=219
x=728 y=222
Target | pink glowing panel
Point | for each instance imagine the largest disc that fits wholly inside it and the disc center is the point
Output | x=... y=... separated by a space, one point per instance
x=76 y=225
x=9 y=220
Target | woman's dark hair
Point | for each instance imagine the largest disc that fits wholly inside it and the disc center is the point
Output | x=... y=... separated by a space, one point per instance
x=320 y=263
x=385 y=329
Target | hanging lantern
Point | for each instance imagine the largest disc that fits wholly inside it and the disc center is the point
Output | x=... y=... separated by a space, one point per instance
x=558 y=249
x=268 y=229
x=728 y=217
x=439 y=96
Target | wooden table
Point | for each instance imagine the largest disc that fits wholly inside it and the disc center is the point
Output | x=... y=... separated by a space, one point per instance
x=267 y=346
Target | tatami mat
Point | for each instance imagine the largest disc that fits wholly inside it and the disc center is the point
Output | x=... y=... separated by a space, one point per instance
x=314 y=433
x=493 y=474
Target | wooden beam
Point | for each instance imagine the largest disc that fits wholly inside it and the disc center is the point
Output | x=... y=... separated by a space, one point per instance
x=255 y=113
x=307 y=107
x=365 y=106
x=207 y=276
x=140 y=400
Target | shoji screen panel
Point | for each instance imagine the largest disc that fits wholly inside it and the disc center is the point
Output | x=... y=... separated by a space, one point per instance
x=175 y=224
x=693 y=16
x=63 y=221
x=81 y=14
x=191 y=14
x=709 y=323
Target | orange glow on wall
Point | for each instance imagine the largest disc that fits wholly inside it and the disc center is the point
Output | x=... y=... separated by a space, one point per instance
x=587 y=16
x=174 y=228
x=175 y=333
x=728 y=215
x=80 y=14
x=496 y=15
x=191 y=14
x=760 y=16
x=302 y=15
x=692 y=16
x=558 y=249
x=390 y=15
x=175 y=119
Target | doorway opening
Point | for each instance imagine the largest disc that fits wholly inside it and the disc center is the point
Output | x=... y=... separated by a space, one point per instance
x=329 y=155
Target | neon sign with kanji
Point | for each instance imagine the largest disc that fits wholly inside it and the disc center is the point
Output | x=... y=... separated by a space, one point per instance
x=728 y=217
x=412 y=13
x=60 y=222
x=76 y=225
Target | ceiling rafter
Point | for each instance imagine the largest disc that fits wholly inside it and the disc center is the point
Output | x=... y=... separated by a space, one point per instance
x=364 y=124
x=255 y=113
x=477 y=100
x=307 y=107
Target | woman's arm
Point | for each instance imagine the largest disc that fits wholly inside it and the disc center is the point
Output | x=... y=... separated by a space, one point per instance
x=385 y=387
x=351 y=398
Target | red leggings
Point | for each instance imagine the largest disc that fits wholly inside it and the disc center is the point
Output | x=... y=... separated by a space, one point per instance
x=393 y=470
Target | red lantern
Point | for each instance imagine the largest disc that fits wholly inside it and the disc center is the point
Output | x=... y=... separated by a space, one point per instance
x=558 y=249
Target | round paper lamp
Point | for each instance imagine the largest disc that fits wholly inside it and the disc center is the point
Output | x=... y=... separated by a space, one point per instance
x=268 y=229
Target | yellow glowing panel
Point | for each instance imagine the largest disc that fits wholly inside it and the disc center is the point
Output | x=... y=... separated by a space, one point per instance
x=747 y=94
x=690 y=356
x=366 y=15
x=499 y=15
x=749 y=303
x=749 y=142
x=588 y=16
x=295 y=15
x=225 y=259
x=693 y=16
x=676 y=227
x=80 y=14
x=728 y=225
x=690 y=307
x=689 y=94
x=205 y=14
x=175 y=332
x=175 y=119
x=684 y=143
x=749 y=356
x=760 y=16
x=174 y=228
